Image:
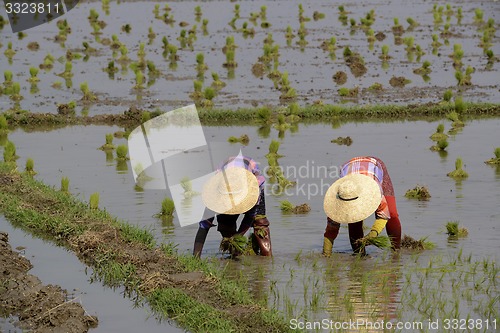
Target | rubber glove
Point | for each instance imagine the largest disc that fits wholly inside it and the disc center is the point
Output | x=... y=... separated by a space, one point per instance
x=377 y=227
x=327 y=246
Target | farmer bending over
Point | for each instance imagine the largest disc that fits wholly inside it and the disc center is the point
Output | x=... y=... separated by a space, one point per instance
x=237 y=188
x=364 y=187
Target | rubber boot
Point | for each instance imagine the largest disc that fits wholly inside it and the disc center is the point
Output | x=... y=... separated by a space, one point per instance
x=199 y=241
x=263 y=236
x=327 y=246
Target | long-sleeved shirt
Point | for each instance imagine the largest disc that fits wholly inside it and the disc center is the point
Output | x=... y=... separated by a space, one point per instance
x=373 y=167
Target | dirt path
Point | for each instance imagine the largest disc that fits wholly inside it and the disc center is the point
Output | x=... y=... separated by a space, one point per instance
x=39 y=308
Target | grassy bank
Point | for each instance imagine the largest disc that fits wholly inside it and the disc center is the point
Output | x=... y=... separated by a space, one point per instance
x=309 y=113
x=193 y=292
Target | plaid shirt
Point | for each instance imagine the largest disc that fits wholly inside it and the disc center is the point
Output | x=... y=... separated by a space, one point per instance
x=372 y=167
x=247 y=163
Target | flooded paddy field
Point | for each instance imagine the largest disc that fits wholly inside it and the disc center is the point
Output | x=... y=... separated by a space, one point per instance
x=268 y=67
x=298 y=280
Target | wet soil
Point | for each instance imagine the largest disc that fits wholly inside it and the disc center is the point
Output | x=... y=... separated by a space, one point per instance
x=39 y=307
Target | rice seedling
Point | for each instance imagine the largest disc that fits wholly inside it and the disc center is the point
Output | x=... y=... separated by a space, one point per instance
x=453 y=230
x=139 y=80
x=441 y=145
x=217 y=84
x=318 y=15
x=347 y=141
x=382 y=242
x=348 y=92
x=7 y=76
x=4 y=125
x=459 y=105
x=385 y=53
x=412 y=23
x=15 y=92
x=201 y=67
x=494 y=160
x=282 y=125
x=397 y=29
x=121 y=153
x=151 y=35
x=94 y=200
x=478 y=15
x=244 y=139
x=88 y=96
x=167 y=208
x=9 y=152
x=33 y=75
x=425 y=69
x=418 y=192
x=458 y=173
x=234 y=245
x=439 y=134
x=29 y=168
x=64 y=185
x=457 y=55
x=448 y=94
x=9 y=52
x=287 y=207
x=413 y=244
x=209 y=94
x=109 y=143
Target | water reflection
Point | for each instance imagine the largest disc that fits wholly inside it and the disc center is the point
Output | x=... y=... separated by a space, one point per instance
x=363 y=290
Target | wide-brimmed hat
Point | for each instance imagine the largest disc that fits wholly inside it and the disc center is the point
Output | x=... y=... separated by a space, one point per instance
x=234 y=190
x=352 y=198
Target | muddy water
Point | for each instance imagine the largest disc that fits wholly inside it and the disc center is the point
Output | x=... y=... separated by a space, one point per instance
x=297 y=239
x=310 y=68
x=54 y=265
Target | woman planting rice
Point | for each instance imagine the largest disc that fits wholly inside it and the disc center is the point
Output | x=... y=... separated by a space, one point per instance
x=364 y=187
x=237 y=188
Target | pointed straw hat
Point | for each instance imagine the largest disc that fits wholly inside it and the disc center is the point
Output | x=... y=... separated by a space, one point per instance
x=352 y=198
x=233 y=190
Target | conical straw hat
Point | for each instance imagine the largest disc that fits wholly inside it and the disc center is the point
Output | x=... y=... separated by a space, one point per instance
x=233 y=190
x=352 y=198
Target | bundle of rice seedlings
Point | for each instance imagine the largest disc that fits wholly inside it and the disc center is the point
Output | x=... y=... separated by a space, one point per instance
x=301 y=209
x=419 y=192
x=286 y=206
x=244 y=139
x=234 y=245
x=458 y=173
x=413 y=244
x=496 y=159
x=273 y=149
x=439 y=135
x=382 y=242
x=453 y=230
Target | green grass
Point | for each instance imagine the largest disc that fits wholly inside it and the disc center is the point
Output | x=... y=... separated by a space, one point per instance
x=174 y=303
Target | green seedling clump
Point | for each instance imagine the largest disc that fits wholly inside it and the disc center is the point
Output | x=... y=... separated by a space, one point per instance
x=30 y=167
x=287 y=207
x=439 y=135
x=419 y=192
x=167 y=208
x=453 y=230
x=94 y=200
x=9 y=152
x=65 y=184
x=234 y=245
x=422 y=244
x=109 y=143
x=4 y=125
x=121 y=153
x=440 y=146
x=458 y=173
x=496 y=159
x=244 y=139
x=382 y=242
